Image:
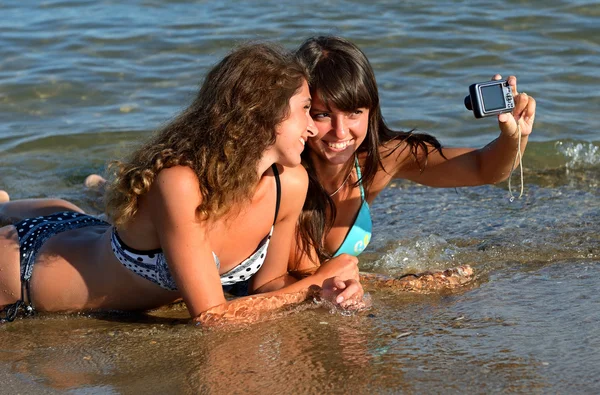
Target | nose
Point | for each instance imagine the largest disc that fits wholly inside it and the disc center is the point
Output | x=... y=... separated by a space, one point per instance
x=311 y=128
x=339 y=127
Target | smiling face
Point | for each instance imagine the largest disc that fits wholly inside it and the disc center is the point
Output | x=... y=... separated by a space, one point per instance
x=294 y=131
x=340 y=133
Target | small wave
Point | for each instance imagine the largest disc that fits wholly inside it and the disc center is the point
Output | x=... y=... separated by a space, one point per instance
x=563 y=162
x=429 y=253
x=579 y=155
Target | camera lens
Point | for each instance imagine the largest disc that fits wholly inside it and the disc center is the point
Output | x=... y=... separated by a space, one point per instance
x=468 y=103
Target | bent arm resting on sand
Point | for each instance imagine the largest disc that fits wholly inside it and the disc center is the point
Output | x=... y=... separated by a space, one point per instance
x=255 y=308
x=252 y=309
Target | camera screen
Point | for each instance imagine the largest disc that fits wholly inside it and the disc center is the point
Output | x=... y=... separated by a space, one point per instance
x=493 y=97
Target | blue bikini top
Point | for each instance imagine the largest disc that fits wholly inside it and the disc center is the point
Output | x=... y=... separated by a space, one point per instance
x=359 y=235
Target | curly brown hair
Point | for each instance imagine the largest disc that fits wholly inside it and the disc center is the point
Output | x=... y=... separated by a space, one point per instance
x=221 y=135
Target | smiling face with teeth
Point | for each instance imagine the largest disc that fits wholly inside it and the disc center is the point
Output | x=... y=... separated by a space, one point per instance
x=294 y=131
x=340 y=133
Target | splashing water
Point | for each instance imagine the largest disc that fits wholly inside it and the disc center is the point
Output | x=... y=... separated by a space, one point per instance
x=580 y=155
x=429 y=253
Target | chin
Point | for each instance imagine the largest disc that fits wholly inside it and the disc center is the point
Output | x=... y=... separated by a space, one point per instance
x=339 y=158
x=291 y=162
x=333 y=157
x=295 y=163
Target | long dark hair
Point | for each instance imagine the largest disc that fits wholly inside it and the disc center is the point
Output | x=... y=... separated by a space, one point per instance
x=221 y=135
x=342 y=75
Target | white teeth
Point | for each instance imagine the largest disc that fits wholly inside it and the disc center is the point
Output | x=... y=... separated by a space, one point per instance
x=341 y=145
x=302 y=141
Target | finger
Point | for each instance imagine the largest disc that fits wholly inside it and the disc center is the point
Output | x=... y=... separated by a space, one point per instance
x=332 y=286
x=529 y=113
x=521 y=102
x=355 y=304
x=339 y=284
x=353 y=288
x=358 y=294
x=496 y=77
x=512 y=82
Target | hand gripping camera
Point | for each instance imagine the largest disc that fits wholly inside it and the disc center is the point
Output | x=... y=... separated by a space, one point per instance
x=489 y=98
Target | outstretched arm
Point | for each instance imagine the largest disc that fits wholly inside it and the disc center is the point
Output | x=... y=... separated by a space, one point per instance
x=468 y=167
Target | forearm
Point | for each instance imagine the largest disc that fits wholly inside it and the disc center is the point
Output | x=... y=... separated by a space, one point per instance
x=500 y=157
x=253 y=308
x=291 y=283
x=274 y=285
x=497 y=159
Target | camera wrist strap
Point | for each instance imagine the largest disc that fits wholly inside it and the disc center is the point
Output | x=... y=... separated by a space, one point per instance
x=519 y=157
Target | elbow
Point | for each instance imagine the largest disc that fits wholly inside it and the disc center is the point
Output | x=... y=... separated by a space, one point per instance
x=496 y=179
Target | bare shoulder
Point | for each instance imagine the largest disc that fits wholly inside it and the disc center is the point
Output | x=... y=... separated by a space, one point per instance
x=177 y=179
x=293 y=179
x=177 y=186
x=294 y=184
x=394 y=154
x=396 y=158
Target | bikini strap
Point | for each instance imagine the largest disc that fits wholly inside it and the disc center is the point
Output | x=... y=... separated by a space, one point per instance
x=278 y=182
x=11 y=311
x=359 y=175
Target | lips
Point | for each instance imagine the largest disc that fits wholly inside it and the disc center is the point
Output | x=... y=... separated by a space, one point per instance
x=339 y=145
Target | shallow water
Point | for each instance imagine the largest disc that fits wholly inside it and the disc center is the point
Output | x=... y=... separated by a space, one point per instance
x=83 y=81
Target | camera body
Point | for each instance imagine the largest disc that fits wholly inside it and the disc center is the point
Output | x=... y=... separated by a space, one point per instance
x=490 y=98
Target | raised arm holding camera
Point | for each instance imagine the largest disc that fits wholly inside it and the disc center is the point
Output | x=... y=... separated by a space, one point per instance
x=355 y=155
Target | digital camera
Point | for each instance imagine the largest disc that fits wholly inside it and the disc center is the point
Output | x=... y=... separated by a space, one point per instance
x=489 y=98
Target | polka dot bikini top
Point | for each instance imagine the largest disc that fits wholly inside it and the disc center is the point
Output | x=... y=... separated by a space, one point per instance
x=153 y=266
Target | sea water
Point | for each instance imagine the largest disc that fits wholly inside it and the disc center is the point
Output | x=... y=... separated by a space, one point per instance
x=82 y=82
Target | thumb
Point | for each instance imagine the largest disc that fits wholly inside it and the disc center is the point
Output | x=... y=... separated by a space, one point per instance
x=508 y=124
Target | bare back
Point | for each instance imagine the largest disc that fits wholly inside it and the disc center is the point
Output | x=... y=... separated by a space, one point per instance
x=77 y=269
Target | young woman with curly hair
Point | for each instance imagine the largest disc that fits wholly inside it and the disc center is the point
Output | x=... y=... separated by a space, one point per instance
x=224 y=172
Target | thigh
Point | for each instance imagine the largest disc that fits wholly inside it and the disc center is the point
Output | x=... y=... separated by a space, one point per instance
x=10 y=272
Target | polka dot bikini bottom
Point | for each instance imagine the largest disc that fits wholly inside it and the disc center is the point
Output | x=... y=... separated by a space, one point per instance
x=34 y=232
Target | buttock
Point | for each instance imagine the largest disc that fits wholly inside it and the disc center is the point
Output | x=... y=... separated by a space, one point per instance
x=34 y=232
x=31 y=234
x=10 y=275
